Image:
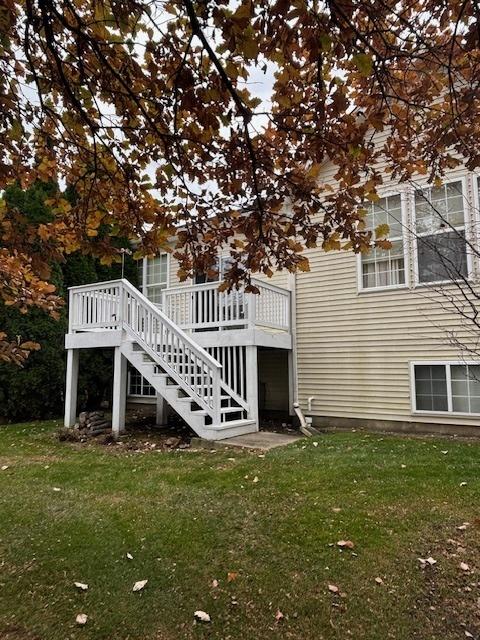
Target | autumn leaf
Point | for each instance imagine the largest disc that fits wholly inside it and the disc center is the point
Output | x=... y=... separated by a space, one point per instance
x=364 y=63
x=139 y=585
x=382 y=231
x=182 y=101
x=345 y=544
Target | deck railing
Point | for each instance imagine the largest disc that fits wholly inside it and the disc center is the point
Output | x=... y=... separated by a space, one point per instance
x=118 y=305
x=204 y=307
x=95 y=306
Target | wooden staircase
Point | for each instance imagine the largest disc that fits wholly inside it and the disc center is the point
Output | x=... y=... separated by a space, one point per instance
x=233 y=420
x=180 y=370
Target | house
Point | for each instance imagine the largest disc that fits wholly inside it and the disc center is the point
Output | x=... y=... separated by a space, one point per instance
x=357 y=341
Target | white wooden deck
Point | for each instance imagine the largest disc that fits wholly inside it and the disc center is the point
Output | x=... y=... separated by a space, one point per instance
x=173 y=346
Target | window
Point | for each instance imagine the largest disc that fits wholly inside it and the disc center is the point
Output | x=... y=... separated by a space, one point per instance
x=223 y=264
x=137 y=385
x=380 y=267
x=156 y=278
x=449 y=387
x=440 y=232
x=431 y=388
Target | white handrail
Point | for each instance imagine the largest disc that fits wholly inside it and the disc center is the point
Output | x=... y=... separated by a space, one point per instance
x=119 y=305
x=268 y=285
x=204 y=306
x=177 y=330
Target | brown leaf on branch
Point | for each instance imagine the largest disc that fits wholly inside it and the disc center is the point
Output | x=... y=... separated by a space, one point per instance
x=145 y=111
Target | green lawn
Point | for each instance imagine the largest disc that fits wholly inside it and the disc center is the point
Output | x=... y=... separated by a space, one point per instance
x=191 y=517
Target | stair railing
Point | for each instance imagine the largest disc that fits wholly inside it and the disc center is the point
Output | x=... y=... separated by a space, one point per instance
x=197 y=373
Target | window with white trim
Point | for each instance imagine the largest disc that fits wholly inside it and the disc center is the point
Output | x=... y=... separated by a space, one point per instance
x=447 y=387
x=223 y=264
x=137 y=385
x=440 y=233
x=385 y=267
x=156 y=277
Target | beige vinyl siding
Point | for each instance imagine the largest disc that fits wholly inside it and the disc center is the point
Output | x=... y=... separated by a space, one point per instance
x=354 y=349
x=279 y=278
x=173 y=279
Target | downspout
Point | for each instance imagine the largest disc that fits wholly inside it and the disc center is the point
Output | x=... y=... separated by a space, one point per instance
x=304 y=428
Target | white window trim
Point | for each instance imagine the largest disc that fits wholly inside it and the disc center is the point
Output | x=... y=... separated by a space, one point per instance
x=144 y=275
x=447 y=364
x=403 y=204
x=137 y=395
x=466 y=228
x=474 y=235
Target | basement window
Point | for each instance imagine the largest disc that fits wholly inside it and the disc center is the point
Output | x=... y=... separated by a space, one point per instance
x=138 y=386
x=452 y=387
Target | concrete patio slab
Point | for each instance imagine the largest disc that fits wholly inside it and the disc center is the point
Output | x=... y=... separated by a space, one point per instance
x=261 y=440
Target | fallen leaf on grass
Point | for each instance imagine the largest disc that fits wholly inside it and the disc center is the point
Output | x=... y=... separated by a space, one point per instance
x=315 y=444
x=463 y=526
x=81 y=585
x=81 y=618
x=232 y=575
x=464 y=566
x=378 y=580
x=425 y=561
x=5 y=467
x=56 y=489
x=345 y=543
x=138 y=586
x=279 y=615
x=333 y=588
x=255 y=480
x=214 y=584
x=202 y=616
x=463 y=484
x=336 y=509
x=129 y=556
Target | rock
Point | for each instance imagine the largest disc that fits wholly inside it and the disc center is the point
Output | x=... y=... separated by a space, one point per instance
x=172 y=443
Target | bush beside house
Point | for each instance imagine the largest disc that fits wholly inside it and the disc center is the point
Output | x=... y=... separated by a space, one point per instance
x=36 y=390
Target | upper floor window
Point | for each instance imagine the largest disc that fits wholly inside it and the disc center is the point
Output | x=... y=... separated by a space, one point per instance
x=222 y=265
x=156 y=277
x=440 y=233
x=385 y=267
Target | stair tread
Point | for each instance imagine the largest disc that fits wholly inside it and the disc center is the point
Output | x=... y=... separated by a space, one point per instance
x=232 y=424
x=155 y=369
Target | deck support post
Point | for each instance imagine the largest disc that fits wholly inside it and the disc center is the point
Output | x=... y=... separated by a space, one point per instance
x=119 y=392
x=251 y=372
x=71 y=387
x=162 y=409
